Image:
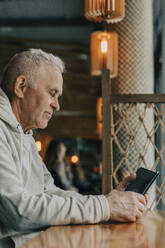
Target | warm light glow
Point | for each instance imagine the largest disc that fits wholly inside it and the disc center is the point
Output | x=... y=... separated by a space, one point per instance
x=104 y=46
x=39 y=145
x=104 y=53
x=74 y=159
x=99 y=115
x=104 y=10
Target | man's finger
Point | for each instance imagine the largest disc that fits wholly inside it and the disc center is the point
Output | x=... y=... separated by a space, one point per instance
x=139 y=215
x=141 y=198
x=147 y=196
x=126 y=181
x=141 y=207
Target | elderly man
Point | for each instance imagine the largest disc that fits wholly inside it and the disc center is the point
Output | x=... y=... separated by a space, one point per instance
x=30 y=87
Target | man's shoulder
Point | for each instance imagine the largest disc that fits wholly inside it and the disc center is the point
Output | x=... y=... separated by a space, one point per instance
x=3 y=125
x=5 y=129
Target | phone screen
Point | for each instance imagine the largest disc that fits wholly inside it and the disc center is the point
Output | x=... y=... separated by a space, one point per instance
x=143 y=181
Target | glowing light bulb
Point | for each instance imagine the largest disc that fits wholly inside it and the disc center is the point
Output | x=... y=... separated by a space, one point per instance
x=75 y=159
x=39 y=145
x=104 y=46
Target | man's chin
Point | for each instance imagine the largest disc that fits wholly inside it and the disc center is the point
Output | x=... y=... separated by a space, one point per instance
x=43 y=125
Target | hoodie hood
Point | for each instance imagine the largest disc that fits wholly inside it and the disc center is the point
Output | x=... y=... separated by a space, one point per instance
x=6 y=112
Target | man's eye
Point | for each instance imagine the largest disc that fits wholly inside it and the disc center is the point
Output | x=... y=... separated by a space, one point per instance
x=52 y=94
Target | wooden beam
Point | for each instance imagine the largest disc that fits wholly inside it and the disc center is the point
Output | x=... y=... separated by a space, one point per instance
x=107 y=159
x=138 y=98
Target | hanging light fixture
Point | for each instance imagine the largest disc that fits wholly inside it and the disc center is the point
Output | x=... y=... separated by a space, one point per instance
x=104 y=52
x=105 y=10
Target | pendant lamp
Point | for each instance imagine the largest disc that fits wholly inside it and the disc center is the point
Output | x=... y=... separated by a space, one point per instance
x=104 y=10
x=104 y=52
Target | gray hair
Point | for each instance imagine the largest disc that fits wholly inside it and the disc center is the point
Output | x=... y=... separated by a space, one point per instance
x=25 y=63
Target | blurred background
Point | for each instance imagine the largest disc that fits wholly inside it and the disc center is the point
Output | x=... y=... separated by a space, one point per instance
x=60 y=27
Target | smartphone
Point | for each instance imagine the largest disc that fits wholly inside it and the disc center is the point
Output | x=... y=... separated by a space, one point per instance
x=143 y=181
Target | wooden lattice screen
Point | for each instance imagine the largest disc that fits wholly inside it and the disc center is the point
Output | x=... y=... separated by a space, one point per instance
x=124 y=105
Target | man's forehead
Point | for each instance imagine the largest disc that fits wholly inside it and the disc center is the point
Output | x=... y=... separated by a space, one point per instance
x=56 y=84
x=53 y=73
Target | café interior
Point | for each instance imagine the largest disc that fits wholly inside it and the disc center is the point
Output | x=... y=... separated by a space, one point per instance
x=112 y=111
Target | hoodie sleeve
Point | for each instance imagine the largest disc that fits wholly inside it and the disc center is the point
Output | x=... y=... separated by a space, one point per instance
x=24 y=211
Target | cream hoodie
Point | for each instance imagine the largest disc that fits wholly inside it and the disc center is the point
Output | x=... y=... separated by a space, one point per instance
x=29 y=200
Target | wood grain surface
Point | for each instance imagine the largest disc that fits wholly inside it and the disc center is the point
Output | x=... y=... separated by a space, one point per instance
x=148 y=232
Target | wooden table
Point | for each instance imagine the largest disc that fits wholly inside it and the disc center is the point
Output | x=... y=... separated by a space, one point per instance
x=149 y=232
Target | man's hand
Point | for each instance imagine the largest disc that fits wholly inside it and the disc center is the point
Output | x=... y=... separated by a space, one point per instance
x=126 y=205
x=126 y=182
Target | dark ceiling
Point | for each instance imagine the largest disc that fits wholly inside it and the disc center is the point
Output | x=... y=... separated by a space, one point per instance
x=27 y=9
x=57 y=20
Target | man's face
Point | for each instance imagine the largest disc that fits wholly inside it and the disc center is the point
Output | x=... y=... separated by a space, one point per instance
x=38 y=103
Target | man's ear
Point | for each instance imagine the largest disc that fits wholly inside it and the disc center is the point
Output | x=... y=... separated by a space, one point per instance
x=20 y=86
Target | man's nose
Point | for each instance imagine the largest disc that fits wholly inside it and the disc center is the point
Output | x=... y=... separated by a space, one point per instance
x=55 y=104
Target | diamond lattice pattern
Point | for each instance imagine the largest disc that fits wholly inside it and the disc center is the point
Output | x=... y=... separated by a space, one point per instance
x=134 y=130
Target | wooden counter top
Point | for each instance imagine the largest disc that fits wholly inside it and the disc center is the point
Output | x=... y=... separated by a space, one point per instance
x=149 y=232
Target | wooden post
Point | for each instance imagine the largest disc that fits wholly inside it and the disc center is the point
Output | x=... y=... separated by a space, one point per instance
x=107 y=154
